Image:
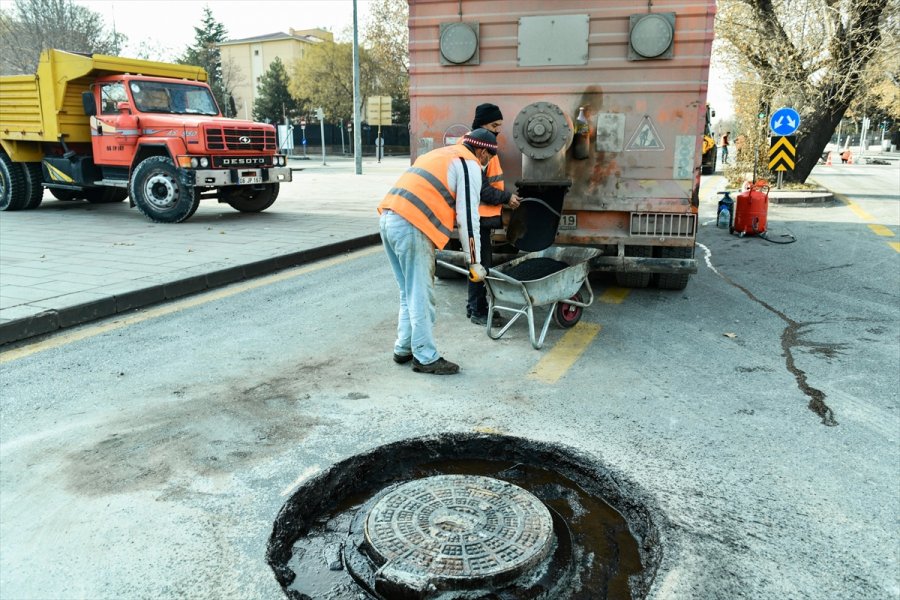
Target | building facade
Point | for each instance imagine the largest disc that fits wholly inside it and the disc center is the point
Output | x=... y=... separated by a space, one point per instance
x=250 y=58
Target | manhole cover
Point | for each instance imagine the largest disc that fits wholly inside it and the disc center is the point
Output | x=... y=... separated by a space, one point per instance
x=451 y=530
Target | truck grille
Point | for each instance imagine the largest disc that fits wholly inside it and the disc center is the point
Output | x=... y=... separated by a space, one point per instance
x=664 y=225
x=239 y=138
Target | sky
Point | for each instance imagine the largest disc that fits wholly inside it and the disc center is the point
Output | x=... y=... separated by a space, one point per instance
x=167 y=26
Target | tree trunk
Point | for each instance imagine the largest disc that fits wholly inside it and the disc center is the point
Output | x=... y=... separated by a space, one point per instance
x=816 y=135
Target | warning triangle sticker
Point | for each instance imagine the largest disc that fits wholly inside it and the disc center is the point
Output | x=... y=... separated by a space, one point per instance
x=645 y=137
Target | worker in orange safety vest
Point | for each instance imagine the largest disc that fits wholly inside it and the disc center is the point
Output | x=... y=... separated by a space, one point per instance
x=440 y=189
x=493 y=198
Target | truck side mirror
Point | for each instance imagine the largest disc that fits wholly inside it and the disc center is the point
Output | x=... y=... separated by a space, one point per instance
x=712 y=113
x=87 y=101
x=124 y=107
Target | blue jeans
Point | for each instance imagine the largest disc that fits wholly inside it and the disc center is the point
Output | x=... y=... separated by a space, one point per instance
x=411 y=255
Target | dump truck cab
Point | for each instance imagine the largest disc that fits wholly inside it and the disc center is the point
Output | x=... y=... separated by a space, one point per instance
x=103 y=128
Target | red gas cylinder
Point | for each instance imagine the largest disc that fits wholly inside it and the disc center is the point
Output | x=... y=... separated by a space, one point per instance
x=751 y=209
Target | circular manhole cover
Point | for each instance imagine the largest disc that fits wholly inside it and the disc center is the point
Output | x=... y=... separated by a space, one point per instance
x=457 y=530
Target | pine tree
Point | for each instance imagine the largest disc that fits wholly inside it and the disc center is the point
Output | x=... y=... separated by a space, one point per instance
x=205 y=53
x=274 y=101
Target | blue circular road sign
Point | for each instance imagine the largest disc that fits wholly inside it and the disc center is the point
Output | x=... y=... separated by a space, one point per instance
x=784 y=121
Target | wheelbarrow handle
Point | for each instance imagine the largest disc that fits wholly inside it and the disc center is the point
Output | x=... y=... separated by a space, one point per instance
x=490 y=274
x=452 y=267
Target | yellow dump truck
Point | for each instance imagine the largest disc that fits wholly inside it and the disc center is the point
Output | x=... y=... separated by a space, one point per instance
x=104 y=128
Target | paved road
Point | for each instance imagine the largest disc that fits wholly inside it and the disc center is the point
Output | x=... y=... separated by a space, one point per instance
x=755 y=415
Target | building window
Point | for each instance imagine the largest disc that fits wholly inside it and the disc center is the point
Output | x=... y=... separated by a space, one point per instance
x=256 y=53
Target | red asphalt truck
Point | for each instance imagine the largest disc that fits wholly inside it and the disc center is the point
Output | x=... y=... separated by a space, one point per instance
x=605 y=115
x=104 y=128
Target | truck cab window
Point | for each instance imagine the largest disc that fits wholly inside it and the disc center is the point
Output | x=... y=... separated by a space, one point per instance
x=172 y=98
x=110 y=95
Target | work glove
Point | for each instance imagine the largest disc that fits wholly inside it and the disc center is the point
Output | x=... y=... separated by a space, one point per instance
x=477 y=273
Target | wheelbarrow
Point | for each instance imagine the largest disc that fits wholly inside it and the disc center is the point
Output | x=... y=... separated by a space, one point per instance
x=566 y=291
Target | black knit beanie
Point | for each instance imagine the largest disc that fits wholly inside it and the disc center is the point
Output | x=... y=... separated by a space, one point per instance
x=486 y=113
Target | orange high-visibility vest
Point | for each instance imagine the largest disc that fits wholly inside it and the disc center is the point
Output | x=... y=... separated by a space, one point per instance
x=422 y=195
x=494 y=175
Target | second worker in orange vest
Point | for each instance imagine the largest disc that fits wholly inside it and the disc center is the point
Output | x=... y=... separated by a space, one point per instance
x=493 y=198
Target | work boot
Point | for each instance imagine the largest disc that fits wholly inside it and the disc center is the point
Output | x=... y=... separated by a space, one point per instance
x=402 y=359
x=497 y=321
x=438 y=367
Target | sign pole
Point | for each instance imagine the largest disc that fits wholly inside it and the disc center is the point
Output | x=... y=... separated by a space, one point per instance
x=357 y=99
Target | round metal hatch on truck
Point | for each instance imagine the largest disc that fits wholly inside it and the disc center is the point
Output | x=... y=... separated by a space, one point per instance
x=651 y=36
x=459 y=43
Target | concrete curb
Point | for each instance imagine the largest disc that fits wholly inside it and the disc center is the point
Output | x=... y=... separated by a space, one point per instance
x=52 y=320
x=801 y=198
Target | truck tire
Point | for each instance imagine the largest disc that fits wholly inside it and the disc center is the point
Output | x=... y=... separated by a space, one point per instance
x=674 y=281
x=159 y=194
x=635 y=279
x=708 y=163
x=34 y=187
x=13 y=189
x=105 y=195
x=246 y=199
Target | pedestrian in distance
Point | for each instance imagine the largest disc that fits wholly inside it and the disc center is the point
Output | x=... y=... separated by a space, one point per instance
x=417 y=216
x=725 y=147
x=493 y=198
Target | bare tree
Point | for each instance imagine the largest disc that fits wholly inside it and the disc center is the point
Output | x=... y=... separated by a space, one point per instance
x=30 y=26
x=387 y=41
x=808 y=54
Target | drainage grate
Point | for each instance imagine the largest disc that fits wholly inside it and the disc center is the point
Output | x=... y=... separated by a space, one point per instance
x=450 y=528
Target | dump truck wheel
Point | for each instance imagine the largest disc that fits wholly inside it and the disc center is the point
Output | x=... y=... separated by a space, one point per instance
x=674 y=281
x=635 y=279
x=567 y=315
x=65 y=195
x=105 y=195
x=159 y=194
x=13 y=190
x=247 y=199
x=34 y=179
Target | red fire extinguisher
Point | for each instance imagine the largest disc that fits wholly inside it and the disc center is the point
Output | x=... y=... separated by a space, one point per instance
x=751 y=209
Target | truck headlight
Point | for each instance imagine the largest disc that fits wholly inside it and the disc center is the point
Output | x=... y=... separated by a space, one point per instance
x=194 y=162
x=204 y=162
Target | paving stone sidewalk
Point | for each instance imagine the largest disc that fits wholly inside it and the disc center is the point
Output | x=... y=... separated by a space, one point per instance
x=67 y=263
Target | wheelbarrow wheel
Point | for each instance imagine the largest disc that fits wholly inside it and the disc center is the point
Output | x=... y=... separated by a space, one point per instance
x=566 y=315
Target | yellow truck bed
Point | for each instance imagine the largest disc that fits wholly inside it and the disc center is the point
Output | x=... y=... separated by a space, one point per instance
x=41 y=107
